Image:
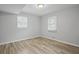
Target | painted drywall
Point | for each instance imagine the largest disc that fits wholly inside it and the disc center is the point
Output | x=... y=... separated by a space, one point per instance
x=67 y=25
x=9 y=31
x=33 y=27
x=7 y=27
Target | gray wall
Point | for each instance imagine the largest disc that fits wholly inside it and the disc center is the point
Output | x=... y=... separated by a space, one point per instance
x=67 y=25
x=33 y=27
x=10 y=32
x=7 y=27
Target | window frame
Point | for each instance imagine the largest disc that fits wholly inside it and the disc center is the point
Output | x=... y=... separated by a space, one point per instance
x=50 y=18
x=19 y=24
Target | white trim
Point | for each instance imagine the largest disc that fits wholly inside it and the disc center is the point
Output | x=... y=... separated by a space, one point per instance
x=53 y=38
x=31 y=37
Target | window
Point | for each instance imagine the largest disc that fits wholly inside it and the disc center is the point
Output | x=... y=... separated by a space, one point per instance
x=52 y=23
x=21 y=22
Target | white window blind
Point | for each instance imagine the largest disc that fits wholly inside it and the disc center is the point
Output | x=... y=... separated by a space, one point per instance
x=52 y=23
x=21 y=22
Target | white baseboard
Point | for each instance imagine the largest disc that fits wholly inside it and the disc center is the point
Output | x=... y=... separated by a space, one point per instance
x=30 y=37
x=53 y=38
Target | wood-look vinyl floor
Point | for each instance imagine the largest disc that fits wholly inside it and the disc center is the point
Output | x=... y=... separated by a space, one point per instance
x=38 y=46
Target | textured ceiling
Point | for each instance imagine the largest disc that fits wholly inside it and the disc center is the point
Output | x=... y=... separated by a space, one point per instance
x=30 y=8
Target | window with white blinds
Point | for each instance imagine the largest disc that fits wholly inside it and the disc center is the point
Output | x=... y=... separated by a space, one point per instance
x=21 y=22
x=52 y=23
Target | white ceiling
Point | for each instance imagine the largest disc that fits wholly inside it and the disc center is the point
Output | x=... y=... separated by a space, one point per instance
x=30 y=8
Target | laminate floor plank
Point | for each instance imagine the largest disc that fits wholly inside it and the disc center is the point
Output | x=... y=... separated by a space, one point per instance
x=38 y=45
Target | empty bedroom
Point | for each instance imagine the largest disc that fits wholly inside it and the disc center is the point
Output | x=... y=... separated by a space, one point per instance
x=39 y=29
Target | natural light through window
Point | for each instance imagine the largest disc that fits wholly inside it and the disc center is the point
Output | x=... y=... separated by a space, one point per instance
x=52 y=23
x=21 y=22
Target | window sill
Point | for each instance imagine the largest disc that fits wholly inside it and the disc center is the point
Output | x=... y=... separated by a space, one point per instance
x=54 y=31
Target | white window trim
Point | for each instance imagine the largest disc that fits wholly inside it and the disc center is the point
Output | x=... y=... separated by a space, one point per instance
x=50 y=18
x=20 y=23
